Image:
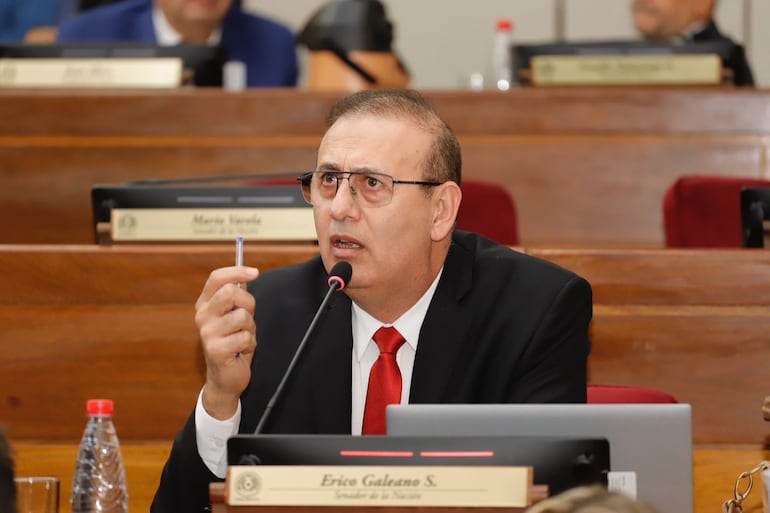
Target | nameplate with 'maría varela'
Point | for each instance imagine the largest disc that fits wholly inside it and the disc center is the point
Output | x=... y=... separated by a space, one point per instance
x=212 y=224
x=412 y=486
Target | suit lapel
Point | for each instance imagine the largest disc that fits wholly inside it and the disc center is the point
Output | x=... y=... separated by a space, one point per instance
x=333 y=375
x=709 y=33
x=443 y=330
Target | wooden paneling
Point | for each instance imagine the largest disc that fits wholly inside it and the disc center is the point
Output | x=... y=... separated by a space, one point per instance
x=86 y=321
x=586 y=166
x=117 y=321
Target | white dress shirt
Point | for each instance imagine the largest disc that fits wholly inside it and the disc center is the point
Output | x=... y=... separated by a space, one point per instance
x=167 y=36
x=211 y=434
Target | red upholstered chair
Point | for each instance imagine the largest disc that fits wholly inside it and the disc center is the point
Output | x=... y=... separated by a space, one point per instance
x=705 y=211
x=488 y=208
x=622 y=394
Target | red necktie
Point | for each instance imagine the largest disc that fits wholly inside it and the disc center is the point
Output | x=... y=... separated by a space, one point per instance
x=384 y=381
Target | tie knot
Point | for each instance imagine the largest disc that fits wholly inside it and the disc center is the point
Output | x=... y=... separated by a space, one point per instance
x=388 y=339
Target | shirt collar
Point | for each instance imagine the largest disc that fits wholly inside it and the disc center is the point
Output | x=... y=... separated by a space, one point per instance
x=409 y=324
x=689 y=32
x=167 y=36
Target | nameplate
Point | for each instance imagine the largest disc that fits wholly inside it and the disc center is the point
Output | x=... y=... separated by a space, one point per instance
x=155 y=73
x=212 y=224
x=353 y=485
x=575 y=70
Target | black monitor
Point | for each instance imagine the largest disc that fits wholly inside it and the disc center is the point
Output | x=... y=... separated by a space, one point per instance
x=203 y=62
x=560 y=463
x=755 y=216
x=727 y=51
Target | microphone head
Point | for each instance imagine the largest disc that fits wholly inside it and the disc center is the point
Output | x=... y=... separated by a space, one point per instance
x=340 y=275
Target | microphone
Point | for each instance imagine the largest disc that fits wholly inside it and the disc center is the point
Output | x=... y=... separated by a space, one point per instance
x=338 y=280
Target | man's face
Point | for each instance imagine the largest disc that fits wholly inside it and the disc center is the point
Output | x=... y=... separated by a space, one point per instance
x=390 y=246
x=195 y=11
x=664 y=19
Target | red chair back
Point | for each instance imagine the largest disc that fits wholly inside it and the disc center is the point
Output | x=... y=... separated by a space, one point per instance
x=622 y=394
x=488 y=208
x=705 y=211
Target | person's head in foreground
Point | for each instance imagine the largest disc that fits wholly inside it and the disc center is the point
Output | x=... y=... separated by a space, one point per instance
x=590 y=499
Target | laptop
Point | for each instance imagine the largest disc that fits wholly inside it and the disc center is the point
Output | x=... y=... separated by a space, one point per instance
x=653 y=441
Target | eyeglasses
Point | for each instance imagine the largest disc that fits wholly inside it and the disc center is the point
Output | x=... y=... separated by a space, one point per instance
x=370 y=189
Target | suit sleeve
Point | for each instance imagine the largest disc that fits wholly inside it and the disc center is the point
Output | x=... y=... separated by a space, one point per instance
x=554 y=368
x=184 y=483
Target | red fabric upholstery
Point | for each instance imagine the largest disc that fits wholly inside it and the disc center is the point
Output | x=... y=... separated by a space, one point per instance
x=488 y=208
x=705 y=211
x=621 y=394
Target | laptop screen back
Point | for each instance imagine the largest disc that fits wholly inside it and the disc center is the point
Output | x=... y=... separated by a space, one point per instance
x=652 y=440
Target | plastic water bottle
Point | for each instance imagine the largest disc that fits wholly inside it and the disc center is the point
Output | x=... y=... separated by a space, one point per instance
x=501 y=70
x=99 y=485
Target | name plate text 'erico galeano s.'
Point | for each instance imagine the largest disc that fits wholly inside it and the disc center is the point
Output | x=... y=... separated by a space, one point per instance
x=578 y=70
x=311 y=485
x=154 y=73
x=212 y=224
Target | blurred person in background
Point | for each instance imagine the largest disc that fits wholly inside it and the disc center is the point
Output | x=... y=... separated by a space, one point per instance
x=266 y=47
x=25 y=20
x=687 y=21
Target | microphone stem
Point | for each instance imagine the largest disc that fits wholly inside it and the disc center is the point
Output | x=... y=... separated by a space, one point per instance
x=333 y=287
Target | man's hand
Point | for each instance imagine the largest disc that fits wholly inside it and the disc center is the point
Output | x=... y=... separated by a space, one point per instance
x=224 y=314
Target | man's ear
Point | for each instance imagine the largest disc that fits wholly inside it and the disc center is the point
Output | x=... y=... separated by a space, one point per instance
x=446 y=202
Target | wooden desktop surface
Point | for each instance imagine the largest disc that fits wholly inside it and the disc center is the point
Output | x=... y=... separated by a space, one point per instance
x=587 y=167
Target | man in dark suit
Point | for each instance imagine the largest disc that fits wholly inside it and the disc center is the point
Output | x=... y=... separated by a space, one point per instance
x=266 y=48
x=688 y=21
x=482 y=323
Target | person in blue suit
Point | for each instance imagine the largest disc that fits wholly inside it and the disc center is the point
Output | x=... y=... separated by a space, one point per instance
x=266 y=48
x=18 y=16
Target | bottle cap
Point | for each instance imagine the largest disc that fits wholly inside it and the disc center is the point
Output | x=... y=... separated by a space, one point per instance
x=234 y=76
x=100 y=407
x=504 y=24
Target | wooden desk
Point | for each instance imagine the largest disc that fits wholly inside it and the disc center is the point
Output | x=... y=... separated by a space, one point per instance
x=714 y=475
x=587 y=166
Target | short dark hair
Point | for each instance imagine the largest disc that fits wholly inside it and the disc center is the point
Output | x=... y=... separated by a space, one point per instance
x=444 y=161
